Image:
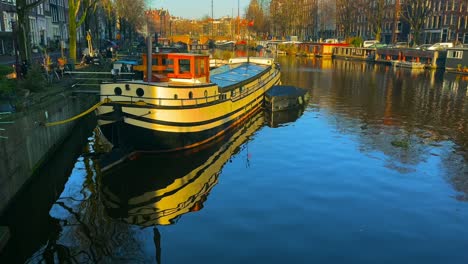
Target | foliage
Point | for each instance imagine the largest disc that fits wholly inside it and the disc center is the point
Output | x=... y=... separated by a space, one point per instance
x=6 y=85
x=288 y=48
x=35 y=79
x=355 y=41
x=405 y=144
x=5 y=70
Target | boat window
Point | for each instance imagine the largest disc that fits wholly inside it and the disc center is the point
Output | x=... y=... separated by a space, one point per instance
x=233 y=93
x=117 y=91
x=202 y=67
x=240 y=89
x=197 y=67
x=170 y=65
x=154 y=61
x=140 y=92
x=190 y=95
x=184 y=66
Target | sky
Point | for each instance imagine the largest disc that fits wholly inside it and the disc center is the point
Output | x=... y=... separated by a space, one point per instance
x=200 y=8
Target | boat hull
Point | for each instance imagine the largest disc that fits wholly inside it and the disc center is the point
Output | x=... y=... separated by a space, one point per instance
x=136 y=138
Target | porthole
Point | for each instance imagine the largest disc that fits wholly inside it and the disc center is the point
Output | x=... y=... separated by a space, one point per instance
x=175 y=96
x=190 y=95
x=117 y=91
x=140 y=92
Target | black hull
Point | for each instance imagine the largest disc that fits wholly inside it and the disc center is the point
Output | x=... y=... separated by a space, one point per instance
x=134 y=138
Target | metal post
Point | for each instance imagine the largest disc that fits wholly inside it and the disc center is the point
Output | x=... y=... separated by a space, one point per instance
x=149 y=51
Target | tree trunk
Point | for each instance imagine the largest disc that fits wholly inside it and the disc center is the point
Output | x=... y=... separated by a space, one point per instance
x=72 y=35
x=109 y=29
x=23 y=38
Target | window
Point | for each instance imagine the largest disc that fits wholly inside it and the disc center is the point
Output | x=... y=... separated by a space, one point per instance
x=184 y=66
x=455 y=54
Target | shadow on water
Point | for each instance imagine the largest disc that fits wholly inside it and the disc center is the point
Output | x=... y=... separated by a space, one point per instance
x=99 y=214
x=28 y=216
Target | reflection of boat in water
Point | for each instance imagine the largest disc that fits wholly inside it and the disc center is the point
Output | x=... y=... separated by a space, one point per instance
x=170 y=185
x=279 y=118
x=184 y=105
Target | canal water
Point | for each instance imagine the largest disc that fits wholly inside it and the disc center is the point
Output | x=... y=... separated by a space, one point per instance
x=373 y=170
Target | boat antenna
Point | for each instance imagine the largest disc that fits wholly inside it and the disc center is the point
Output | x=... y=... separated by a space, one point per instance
x=212 y=22
x=149 y=50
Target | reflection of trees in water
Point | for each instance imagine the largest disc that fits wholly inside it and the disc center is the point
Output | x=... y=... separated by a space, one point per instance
x=406 y=115
x=454 y=161
x=416 y=103
x=84 y=233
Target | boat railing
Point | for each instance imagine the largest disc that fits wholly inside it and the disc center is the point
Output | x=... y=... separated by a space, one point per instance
x=260 y=84
x=157 y=101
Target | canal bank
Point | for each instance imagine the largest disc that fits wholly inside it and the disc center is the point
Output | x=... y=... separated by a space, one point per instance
x=28 y=142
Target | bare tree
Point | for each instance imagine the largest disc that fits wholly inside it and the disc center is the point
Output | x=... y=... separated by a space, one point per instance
x=130 y=15
x=286 y=16
x=375 y=16
x=346 y=16
x=415 y=12
x=108 y=8
x=326 y=17
x=77 y=11
x=23 y=8
x=255 y=13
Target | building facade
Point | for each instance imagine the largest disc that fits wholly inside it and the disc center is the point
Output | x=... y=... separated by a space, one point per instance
x=447 y=21
x=7 y=24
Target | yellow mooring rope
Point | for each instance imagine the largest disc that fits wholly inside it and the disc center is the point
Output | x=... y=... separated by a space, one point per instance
x=107 y=100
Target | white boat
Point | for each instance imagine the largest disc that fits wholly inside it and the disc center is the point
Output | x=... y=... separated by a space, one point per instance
x=409 y=64
x=182 y=105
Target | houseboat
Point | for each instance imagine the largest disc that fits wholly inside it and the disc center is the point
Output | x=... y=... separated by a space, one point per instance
x=457 y=60
x=412 y=58
x=179 y=105
x=321 y=49
x=354 y=53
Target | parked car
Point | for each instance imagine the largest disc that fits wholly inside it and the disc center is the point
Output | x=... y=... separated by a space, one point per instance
x=441 y=45
x=423 y=46
x=369 y=43
x=401 y=45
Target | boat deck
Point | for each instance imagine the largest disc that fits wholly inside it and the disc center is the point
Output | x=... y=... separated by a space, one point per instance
x=236 y=75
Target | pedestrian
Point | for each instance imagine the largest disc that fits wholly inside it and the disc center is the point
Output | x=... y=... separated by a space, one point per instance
x=24 y=69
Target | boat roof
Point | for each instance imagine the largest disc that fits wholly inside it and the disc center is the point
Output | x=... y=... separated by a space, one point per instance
x=236 y=75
